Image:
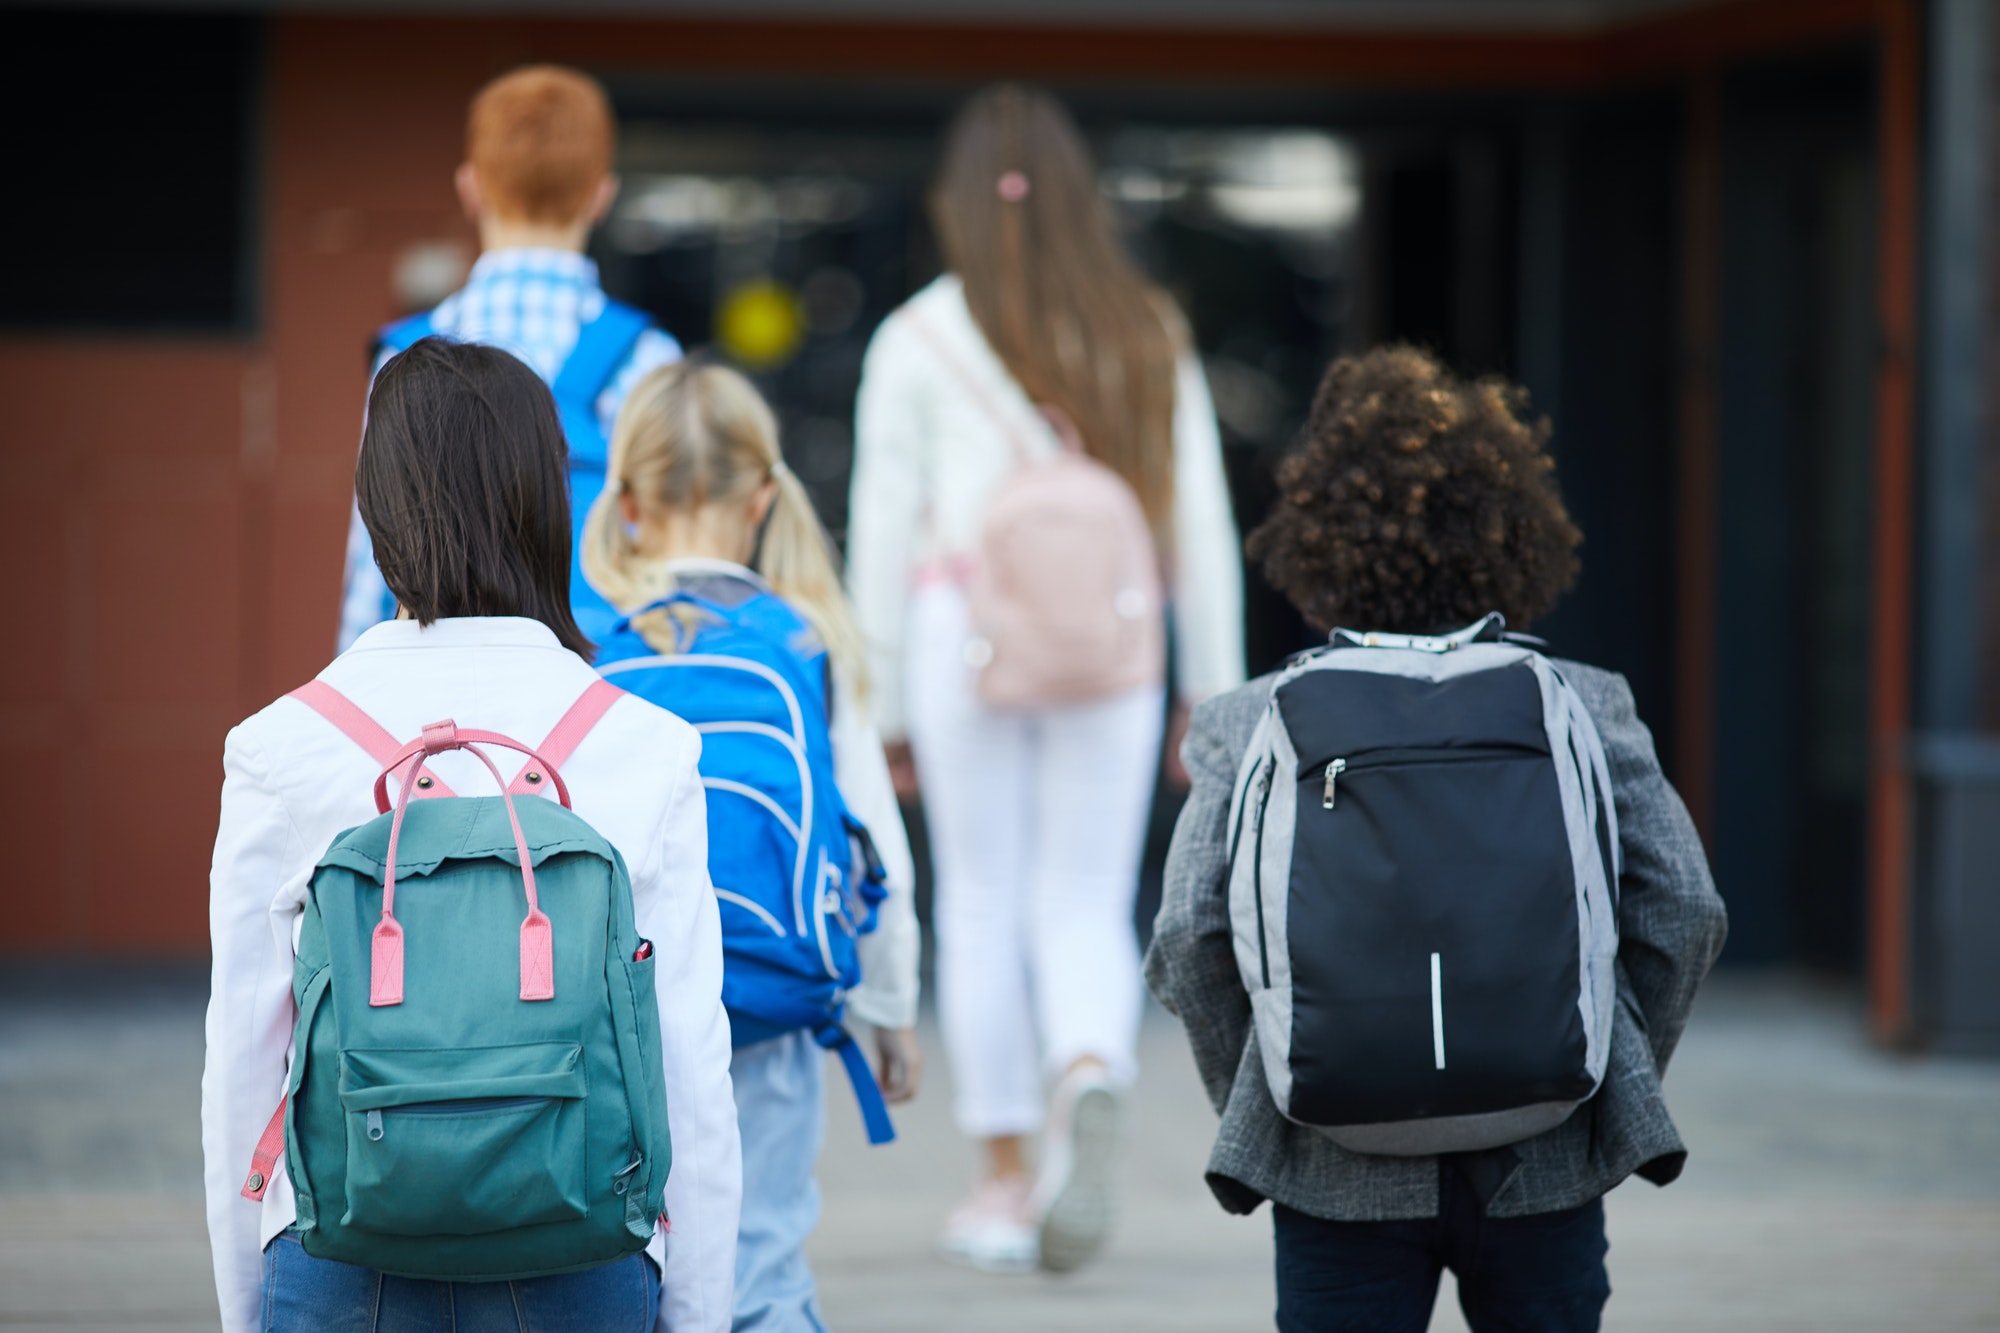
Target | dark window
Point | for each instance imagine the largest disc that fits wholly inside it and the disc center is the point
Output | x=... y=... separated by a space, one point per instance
x=129 y=170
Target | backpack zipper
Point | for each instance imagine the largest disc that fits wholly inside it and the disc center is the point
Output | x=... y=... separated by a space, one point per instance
x=1243 y=810
x=473 y=1107
x=1337 y=768
x=477 y=1106
x=1257 y=872
x=1334 y=769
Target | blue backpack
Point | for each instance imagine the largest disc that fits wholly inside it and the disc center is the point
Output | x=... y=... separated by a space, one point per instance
x=797 y=875
x=603 y=346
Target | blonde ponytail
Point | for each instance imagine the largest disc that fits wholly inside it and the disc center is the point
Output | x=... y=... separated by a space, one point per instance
x=797 y=559
x=691 y=435
x=611 y=558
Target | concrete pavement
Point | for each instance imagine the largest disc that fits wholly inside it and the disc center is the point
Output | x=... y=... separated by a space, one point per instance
x=1832 y=1187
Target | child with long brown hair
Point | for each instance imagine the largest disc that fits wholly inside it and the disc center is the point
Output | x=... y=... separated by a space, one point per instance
x=1042 y=334
x=738 y=623
x=461 y=484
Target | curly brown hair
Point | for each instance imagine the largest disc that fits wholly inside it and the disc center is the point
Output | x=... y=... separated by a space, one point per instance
x=1416 y=502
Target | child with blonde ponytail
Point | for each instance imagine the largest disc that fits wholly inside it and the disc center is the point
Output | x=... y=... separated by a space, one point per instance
x=736 y=620
x=695 y=473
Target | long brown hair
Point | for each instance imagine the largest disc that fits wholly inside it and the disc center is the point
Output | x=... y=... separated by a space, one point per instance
x=463 y=487
x=1021 y=221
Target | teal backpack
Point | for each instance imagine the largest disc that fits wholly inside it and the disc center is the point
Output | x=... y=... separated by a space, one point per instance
x=476 y=1092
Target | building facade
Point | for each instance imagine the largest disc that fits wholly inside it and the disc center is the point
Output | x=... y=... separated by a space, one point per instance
x=1737 y=251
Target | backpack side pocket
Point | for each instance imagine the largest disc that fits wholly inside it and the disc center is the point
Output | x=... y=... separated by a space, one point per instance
x=639 y=1050
x=310 y=1003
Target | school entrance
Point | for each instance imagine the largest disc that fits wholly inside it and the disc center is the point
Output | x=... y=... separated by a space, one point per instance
x=1723 y=244
x=1541 y=238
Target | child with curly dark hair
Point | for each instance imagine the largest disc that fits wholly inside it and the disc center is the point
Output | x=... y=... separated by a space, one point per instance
x=1417 y=502
x=1415 y=506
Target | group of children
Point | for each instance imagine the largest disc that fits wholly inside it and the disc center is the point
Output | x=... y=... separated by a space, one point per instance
x=587 y=498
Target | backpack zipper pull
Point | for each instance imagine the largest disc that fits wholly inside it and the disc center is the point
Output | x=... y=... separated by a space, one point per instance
x=1333 y=772
x=375 y=1126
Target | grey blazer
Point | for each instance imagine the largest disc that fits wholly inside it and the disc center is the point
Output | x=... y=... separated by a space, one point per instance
x=1671 y=925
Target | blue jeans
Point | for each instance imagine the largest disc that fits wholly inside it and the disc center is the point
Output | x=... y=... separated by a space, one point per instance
x=307 y=1295
x=781 y=1112
x=1538 y=1274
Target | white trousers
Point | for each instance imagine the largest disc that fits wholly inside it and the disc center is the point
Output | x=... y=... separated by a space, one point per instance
x=1037 y=826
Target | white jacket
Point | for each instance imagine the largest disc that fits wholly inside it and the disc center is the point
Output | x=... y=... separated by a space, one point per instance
x=292 y=783
x=928 y=452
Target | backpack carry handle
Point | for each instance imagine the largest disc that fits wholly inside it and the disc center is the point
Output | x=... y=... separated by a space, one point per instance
x=1489 y=628
x=464 y=740
x=385 y=951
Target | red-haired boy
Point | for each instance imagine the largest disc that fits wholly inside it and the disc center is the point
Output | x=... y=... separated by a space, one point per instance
x=537 y=177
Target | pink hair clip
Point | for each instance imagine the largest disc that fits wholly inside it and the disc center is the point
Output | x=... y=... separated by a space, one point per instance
x=1013 y=186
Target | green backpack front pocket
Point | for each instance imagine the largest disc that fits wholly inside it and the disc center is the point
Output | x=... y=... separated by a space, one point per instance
x=465 y=1141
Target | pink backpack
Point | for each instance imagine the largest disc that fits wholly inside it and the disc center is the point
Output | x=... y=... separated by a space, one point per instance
x=1064 y=592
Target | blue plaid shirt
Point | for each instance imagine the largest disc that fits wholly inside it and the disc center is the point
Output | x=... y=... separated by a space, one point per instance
x=530 y=303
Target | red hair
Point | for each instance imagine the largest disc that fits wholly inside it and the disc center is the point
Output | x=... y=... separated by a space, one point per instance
x=539 y=140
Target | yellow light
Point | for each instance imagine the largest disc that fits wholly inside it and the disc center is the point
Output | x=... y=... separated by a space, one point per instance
x=761 y=324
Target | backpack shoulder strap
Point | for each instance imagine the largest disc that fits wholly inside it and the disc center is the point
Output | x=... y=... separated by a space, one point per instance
x=874 y=1110
x=602 y=348
x=817 y=667
x=754 y=617
x=569 y=731
x=399 y=336
x=357 y=726
x=264 y=1157
x=969 y=382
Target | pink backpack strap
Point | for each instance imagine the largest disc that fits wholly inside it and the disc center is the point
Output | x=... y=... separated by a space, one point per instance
x=264 y=1159
x=360 y=728
x=568 y=733
x=988 y=404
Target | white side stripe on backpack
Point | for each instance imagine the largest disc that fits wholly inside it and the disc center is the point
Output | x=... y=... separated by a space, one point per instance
x=798 y=754
x=1437 y=1009
x=715 y=660
x=820 y=909
x=760 y=729
x=742 y=789
x=798 y=741
x=777 y=927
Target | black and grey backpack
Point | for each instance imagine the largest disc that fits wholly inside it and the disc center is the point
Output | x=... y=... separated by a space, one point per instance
x=1423 y=889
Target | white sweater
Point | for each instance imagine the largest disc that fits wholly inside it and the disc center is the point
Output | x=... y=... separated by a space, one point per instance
x=928 y=452
x=292 y=783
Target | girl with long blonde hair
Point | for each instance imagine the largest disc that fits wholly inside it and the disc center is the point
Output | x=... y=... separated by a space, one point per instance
x=1042 y=335
x=702 y=533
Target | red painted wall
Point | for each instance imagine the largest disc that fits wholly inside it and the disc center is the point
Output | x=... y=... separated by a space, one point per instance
x=122 y=465
x=178 y=507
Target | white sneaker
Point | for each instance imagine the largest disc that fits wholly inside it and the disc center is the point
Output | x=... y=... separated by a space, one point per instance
x=994 y=1230
x=1073 y=1196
